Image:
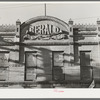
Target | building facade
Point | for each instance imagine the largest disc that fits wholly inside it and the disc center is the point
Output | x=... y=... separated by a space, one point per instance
x=46 y=49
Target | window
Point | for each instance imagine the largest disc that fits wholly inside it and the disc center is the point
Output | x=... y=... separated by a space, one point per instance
x=98 y=28
x=58 y=58
x=17 y=29
x=85 y=65
x=58 y=73
x=30 y=59
x=31 y=66
x=70 y=29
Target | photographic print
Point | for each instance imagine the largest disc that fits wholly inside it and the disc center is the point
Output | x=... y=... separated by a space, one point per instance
x=49 y=45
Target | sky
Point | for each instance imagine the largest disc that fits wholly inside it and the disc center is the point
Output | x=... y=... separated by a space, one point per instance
x=79 y=12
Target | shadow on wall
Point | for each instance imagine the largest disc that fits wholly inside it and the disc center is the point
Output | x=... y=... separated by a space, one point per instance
x=44 y=68
x=9 y=49
x=44 y=58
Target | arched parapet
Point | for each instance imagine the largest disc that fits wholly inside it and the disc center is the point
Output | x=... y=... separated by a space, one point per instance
x=44 y=27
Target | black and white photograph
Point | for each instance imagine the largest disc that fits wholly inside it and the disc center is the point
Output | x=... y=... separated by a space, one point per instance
x=49 y=45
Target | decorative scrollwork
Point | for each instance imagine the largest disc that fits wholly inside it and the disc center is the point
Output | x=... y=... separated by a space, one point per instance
x=54 y=36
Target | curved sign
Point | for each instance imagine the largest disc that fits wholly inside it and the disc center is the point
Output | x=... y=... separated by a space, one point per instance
x=45 y=29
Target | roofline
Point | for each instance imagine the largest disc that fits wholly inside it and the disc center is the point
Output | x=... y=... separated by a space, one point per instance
x=42 y=18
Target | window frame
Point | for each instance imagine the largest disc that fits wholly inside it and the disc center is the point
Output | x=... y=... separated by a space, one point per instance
x=25 y=71
x=56 y=66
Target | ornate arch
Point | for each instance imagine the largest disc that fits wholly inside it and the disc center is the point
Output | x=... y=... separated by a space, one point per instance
x=43 y=18
x=59 y=23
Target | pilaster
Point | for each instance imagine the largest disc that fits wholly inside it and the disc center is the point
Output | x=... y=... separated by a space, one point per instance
x=71 y=41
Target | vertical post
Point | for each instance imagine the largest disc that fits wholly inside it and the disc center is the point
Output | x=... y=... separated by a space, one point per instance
x=45 y=8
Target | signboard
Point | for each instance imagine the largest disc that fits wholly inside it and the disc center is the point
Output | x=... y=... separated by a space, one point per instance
x=45 y=30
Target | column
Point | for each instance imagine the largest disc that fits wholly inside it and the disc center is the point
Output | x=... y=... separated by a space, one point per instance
x=71 y=41
x=17 y=40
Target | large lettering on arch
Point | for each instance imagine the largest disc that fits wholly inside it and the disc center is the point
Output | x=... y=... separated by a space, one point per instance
x=45 y=30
